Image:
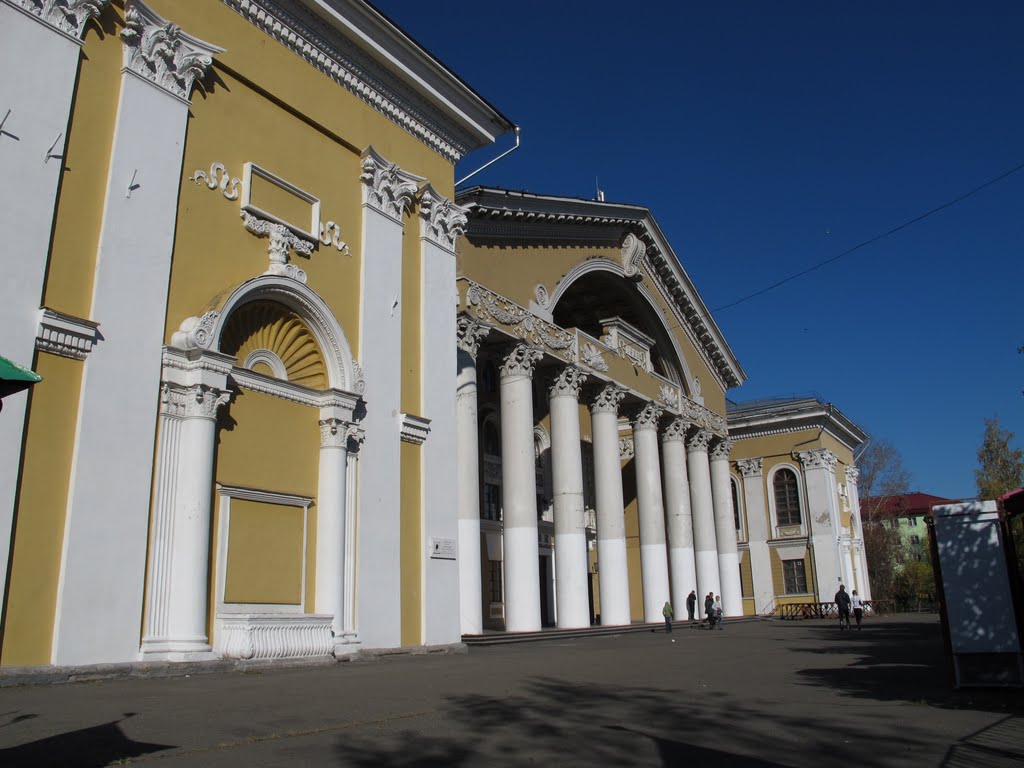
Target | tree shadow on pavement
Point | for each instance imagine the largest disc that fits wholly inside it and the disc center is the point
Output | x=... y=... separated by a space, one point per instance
x=91 y=747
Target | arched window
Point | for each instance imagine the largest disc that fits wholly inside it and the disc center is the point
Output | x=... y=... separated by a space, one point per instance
x=787 y=498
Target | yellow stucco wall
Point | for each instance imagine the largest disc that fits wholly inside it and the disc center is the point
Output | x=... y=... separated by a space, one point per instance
x=42 y=507
x=412 y=317
x=412 y=544
x=264 y=553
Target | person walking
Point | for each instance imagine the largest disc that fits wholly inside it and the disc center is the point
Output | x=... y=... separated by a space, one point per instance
x=843 y=604
x=666 y=611
x=717 y=608
x=858 y=608
x=709 y=609
x=691 y=604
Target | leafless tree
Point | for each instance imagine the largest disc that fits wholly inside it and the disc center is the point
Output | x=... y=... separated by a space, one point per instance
x=882 y=477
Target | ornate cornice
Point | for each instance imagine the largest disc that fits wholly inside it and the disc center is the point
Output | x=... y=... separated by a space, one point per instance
x=65 y=335
x=443 y=220
x=282 y=242
x=492 y=307
x=567 y=382
x=721 y=450
x=67 y=16
x=750 y=467
x=821 y=458
x=647 y=417
x=469 y=334
x=699 y=440
x=386 y=187
x=414 y=429
x=675 y=430
x=607 y=399
x=161 y=53
x=702 y=417
x=521 y=361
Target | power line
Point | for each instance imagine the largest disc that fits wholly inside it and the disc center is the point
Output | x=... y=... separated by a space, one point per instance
x=874 y=239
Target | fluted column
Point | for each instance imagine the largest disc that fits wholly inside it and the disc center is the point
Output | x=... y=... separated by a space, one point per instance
x=725 y=529
x=571 y=580
x=653 y=556
x=469 y=335
x=705 y=547
x=330 y=522
x=682 y=569
x=519 y=491
x=613 y=570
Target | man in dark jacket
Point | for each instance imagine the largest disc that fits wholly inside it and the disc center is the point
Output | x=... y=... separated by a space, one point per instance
x=843 y=604
x=691 y=603
x=709 y=609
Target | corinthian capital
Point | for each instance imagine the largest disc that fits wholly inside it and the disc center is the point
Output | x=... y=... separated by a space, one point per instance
x=333 y=433
x=195 y=402
x=750 y=467
x=675 y=430
x=721 y=450
x=607 y=400
x=820 y=458
x=68 y=16
x=443 y=220
x=647 y=417
x=386 y=187
x=521 y=361
x=852 y=474
x=699 y=440
x=567 y=382
x=469 y=334
x=161 y=53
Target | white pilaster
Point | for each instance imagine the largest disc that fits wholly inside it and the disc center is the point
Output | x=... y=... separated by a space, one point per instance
x=823 y=519
x=441 y=222
x=613 y=570
x=725 y=530
x=331 y=533
x=757 y=533
x=519 y=491
x=467 y=459
x=194 y=386
x=682 y=567
x=653 y=555
x=388 y=192
x=705 y=546
x=863 y=581
x=38 y=65
x=105 y=531
x=571 y=580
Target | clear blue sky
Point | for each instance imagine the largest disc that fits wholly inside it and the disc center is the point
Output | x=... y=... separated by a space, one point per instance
x=766 y=137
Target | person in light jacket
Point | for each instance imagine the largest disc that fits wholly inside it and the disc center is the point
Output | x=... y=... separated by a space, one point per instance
x=858 y=608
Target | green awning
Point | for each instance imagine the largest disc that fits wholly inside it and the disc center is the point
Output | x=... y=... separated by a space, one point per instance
x=14 y=377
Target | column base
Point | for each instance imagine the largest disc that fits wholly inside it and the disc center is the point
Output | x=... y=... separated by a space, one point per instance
x=176 y=650
x=347 y=645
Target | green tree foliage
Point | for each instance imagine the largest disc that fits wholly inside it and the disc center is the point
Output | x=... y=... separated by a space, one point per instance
x=882 y=476
x=1001 y=468
x=915 y=587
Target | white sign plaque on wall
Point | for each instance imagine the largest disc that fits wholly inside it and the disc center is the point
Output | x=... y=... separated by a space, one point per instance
x=442 y=549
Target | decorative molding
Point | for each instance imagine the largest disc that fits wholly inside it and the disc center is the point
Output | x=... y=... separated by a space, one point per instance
x=386 y=187
x=852 y=474
x=356 y=436
x=414 y=429
x=607 y=399
x=721 y=450
x=269 y=359
x=218 y=177
x=790 y=530
x=198 y=401
x=592 y=357
x=675 y=430
x=703 y=417
x=820 y=458
x=282 y=241
x=161 y=53
x=521 y=361
x=699 y=440
x=330 y=235
x=264 y=497
x=490 y=306
x=668 y=395
x=67 y=16
x=541 y=443
x=469 y=334
x=274 y=636
x=443 y=220
x=647 y=417
x=64 y=335
x=626 y=448
x=634 y=253
x=567 y=382
x=333 y=433
x=750 y=467
x=195 y=332
x=312 y=231
x=540 y=292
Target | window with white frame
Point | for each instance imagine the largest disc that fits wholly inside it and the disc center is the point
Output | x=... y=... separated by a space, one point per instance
x=787 y=498
x=794 y=576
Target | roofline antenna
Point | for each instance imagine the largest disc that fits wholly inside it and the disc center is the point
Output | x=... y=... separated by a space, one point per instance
x=599 y=196
x=492 y=162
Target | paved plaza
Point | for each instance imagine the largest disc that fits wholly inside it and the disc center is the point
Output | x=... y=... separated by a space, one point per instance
x=760 y=693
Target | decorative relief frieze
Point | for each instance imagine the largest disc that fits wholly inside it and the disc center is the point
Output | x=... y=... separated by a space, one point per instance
x=161 y=53
x=491 y=306
x=64 y=335
x=218 y=177
x=789 y=530
x=817 y=459
x=625 y=447
x=567 y=383
x=443 y=221
x=282 y=242
x=675 y=430
x=68 y=16
x=386 y=187
x=607 y=399
x=668 y=395
x=702 y=417
x=541 y=294
x=721 y=450
x=469 y=334
x=699 y=440
x=275 y=636
x=521 y=361
x=647 y=417
x=750 y=467
x=634 y=253
x=592 y=357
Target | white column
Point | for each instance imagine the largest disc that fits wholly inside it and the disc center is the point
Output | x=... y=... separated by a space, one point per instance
x=441 y=223
x=864 y=583
x=519 y=491
x=653 y=555
x=725 y=529
x=467 y=459
x=331 y=498
x=757 y=533
x=388 y=192
x=613 y=570
x=571 y=571
x=194 y=387
x=823 y=519
x=38 y=65
x=105 y=530
x=705 y=546
x=682 y=568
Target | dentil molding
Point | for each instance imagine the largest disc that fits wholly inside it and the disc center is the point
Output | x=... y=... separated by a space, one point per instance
x=64 y=335
x=67 y=16
x=414 y=429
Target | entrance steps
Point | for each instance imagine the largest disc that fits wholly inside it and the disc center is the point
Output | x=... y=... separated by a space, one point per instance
x=496 y=637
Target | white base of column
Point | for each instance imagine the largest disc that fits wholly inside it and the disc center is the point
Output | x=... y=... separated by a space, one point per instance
x=573 y=603
x=613 y=576
x=346 y=645
x=683 y=575
x=522 y=580
x=654 y=569
x=708 y=577
x=470 y=597
x=178 y=650
x=732 y=590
